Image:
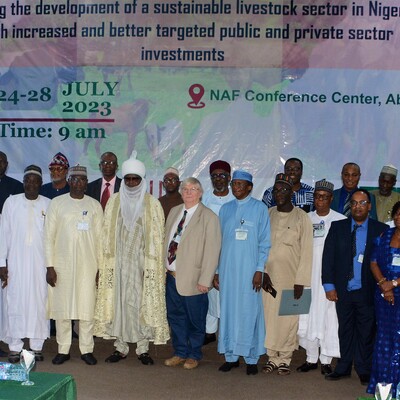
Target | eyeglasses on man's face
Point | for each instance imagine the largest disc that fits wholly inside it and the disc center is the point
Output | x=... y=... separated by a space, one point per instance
x=191 y=190
x=219 y=176
x=170 y=180
x=361 y=203
x=105 y=163
x=280 y=190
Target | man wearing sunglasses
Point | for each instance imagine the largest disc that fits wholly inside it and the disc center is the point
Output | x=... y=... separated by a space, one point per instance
x=171 y=185
x=220 y=174
x=348 y=281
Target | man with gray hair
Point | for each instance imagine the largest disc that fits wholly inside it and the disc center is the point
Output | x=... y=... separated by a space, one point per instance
x=21 y=267
x=73 y=232
x=385 y=197
x=191 y=252
x=131 y=292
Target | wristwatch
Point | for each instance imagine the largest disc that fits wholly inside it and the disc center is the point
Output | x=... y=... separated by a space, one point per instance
x=395 y=283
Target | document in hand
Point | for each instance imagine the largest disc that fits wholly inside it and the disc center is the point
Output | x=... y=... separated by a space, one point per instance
x=291 y=306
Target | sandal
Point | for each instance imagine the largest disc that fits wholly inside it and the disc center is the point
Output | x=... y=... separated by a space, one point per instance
x=283 y=369
x=13 y=357
x=38 y=355
x=269 y=367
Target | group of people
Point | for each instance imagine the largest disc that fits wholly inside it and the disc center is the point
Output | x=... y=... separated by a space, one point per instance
x=194 y=265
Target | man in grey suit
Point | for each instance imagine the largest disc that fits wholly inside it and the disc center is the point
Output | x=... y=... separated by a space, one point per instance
x=192 y=246
x=101 y=189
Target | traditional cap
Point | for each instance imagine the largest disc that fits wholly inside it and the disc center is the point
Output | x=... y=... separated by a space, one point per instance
x=77 y=170
x=59 y=159
x=171 y=170
x=324 y=185
x=133 y=166
x=242 y=175
x=33 y=169
x=390 y=170
x=282 y=178
x=220 y=164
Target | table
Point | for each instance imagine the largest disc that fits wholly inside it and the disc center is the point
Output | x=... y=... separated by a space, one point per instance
x=47 y=386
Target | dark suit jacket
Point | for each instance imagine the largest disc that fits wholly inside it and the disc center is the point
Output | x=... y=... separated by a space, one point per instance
x=94 y=188
x=336 y=201
x=337 y=257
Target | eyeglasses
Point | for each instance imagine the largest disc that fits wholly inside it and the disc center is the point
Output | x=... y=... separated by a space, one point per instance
x=57 y=169
x=361 y=203
x=323 y=197
x=240 y=185
x=190 y=190
x=77 y=179
x=170 y=180
x=281 y=190
x=216 y=176
x=108 y=163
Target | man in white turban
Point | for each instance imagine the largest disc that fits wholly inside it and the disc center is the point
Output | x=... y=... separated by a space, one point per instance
x=131 y=289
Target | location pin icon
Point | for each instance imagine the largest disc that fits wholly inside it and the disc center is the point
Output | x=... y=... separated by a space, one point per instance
x=196 y=92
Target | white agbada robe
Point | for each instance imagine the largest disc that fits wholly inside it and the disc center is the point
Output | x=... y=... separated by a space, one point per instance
x=321 y=323
x=21 y=233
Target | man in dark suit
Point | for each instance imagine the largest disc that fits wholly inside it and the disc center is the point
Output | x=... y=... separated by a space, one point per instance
x=101 y=189
x=348 y=281
x=8 y=185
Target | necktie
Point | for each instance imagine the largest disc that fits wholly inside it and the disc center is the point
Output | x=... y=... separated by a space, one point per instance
x=105 y=196
x=173 y=246
x=353 y=249
x=346 y=207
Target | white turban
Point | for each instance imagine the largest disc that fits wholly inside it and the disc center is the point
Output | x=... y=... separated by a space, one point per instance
x=133 y=166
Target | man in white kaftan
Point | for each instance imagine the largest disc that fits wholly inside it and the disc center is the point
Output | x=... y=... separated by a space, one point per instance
x=73 y=233
x=318 y=330
x=288 y=267
x=131 y=297
x=22 y=267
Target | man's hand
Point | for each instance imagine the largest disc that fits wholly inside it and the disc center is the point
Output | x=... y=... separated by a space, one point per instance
x=331 y=295
x=266 y=283
x=4 y=276
x=51 y=276
x=216 y=281
x=257 y=281
x=202 y=289
x=298 y=291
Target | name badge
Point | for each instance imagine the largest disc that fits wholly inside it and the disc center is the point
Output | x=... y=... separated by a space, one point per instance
x=396 y=260
x=319 y=230
x=360 y=258
x=83 y=226
x=241 y=234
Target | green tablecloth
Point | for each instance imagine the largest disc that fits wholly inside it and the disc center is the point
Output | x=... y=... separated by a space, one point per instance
x=47 y=386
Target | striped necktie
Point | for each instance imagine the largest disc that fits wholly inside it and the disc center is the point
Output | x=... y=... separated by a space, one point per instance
x=173 y=246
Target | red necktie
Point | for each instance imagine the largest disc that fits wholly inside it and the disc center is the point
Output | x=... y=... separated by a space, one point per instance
x=173 y=246
x=105 y=196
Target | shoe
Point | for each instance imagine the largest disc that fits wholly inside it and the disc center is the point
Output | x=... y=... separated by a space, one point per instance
x=226 y=367
x=3 y=353
x=115 y=357
x=89 y=359
x=326 y=369
x=14 y=357
x=146 y=359
x=251 y=369
x=190 y=363
x=174 y=361
x=269 y=367
x=364 y=379
x=209 y=338
x=307 y=367
x=38 y=355
x=283 y=369
x=60 y=359
x=334 y=376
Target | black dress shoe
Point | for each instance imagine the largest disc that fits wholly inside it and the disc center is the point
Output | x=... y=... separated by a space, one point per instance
x=226 y=367
x=326 y=369
x=115 y=357
x=364 y=379
x=307 y=367
x=60 y=359
x=3 y=353
x=146 y=359
x=334 y=376
x=209 y=338
x=251 y=369
x=89 y=359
